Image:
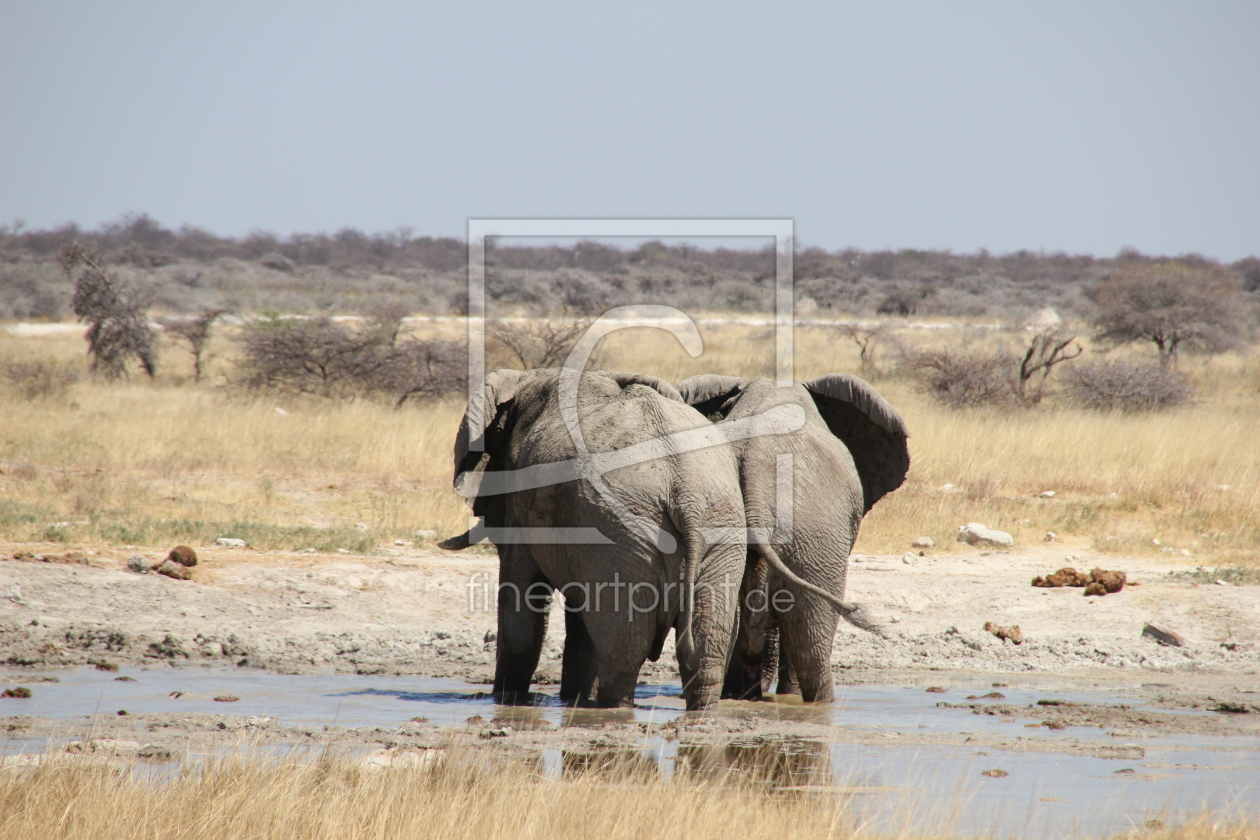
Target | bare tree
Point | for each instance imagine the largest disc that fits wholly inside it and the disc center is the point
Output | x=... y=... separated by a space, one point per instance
x=538 y=342
x=1048 y=348
x=115 y=312
x=867 y=338
x=1173 y=305
x=196 y=332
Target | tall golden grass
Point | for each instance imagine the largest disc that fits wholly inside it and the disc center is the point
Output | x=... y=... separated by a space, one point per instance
x=147 y=463
x=338 y=799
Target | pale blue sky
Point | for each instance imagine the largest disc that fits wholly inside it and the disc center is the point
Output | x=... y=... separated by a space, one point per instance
x=1084 y=126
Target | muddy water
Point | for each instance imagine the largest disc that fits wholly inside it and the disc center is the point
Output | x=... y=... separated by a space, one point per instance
x=901 y=761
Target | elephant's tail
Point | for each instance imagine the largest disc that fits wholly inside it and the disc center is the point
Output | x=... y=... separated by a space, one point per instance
x=851 y=611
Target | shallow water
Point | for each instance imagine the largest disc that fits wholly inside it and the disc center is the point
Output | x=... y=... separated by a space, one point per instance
x=1046 y=794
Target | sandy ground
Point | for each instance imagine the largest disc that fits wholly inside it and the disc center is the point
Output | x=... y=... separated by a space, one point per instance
x=423 y=612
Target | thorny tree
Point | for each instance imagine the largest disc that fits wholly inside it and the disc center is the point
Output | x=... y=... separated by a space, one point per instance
x=538 y=342
x=115 y=312
x=1173 y=305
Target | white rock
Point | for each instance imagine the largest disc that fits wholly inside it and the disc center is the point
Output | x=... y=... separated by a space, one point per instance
x=1155 y=541
x=419 y=759
x=947 y=486
x=976 y=533
x=308 y=551
x=403 y=543
x=1051 y=536
x=1046 y=494
x=1185 y=552
x=362 y=526
x=909 y=558
x=229 y=542
x=139 y=564
x=281 y=411
x=923 y=542
x=343 y=551
x=111 y=745
x=1222 y=487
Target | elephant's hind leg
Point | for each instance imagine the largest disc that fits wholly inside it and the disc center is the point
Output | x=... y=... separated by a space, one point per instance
x=577 y=673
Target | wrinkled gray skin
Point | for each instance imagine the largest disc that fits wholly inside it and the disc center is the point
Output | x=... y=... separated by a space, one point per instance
x=851 y=451
x=606 y=643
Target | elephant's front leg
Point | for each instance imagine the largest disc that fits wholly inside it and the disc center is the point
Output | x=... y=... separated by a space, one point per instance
x=524 y=601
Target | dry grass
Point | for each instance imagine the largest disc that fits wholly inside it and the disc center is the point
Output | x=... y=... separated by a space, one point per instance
x=153 y=463
x=337 y=798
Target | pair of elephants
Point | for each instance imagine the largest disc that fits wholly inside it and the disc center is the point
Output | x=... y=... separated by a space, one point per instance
x=723 y=509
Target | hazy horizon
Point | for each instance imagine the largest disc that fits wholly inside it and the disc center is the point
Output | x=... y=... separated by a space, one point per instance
x=1048 y=127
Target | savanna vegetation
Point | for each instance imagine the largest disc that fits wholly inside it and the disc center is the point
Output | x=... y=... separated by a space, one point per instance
x=199 y=410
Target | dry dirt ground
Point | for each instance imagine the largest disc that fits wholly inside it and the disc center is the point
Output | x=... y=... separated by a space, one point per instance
x=413 y=611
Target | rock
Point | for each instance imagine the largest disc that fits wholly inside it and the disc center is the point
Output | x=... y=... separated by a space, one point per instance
x=226 y=698
x=403 y=543
x=489 y=637
x=1046 y=494
x=995 y=774
x=976 y=533
x=156 y=752
x=139 y=564
x=360 y=526
x=496 y=733
x=183 y=555
x=424 y=759
x=1051 y=536
x=174 y=570
x=229 y=542
x=18 y=693
x=935 y=689
x=1164 y=637
x=1012 y=632
x=1095 y=589
x=909 y=558
x=922 y=542
x=113 y=746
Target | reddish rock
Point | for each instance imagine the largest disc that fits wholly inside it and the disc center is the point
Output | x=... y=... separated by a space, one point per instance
x=183 y=555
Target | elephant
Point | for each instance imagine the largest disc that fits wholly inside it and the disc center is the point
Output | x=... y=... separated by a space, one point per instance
x=624 y=457
x=850 y=451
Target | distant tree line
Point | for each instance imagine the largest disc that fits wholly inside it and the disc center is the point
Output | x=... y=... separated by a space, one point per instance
x=190 y=271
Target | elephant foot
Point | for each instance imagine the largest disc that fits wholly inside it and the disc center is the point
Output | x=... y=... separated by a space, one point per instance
x=514 y=698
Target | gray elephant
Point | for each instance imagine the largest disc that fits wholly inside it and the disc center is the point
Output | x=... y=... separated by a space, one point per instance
x=647 y=477
x=849 y=451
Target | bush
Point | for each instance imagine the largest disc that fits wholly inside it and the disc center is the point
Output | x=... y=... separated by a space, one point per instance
x=35 y=379
x=332 y=359
x=1124 y=386
x=966 y=380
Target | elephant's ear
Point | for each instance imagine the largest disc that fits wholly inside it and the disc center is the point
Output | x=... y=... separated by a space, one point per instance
x=484 y=410
x=625 y=380
x=872 y=430
x=708 y=393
